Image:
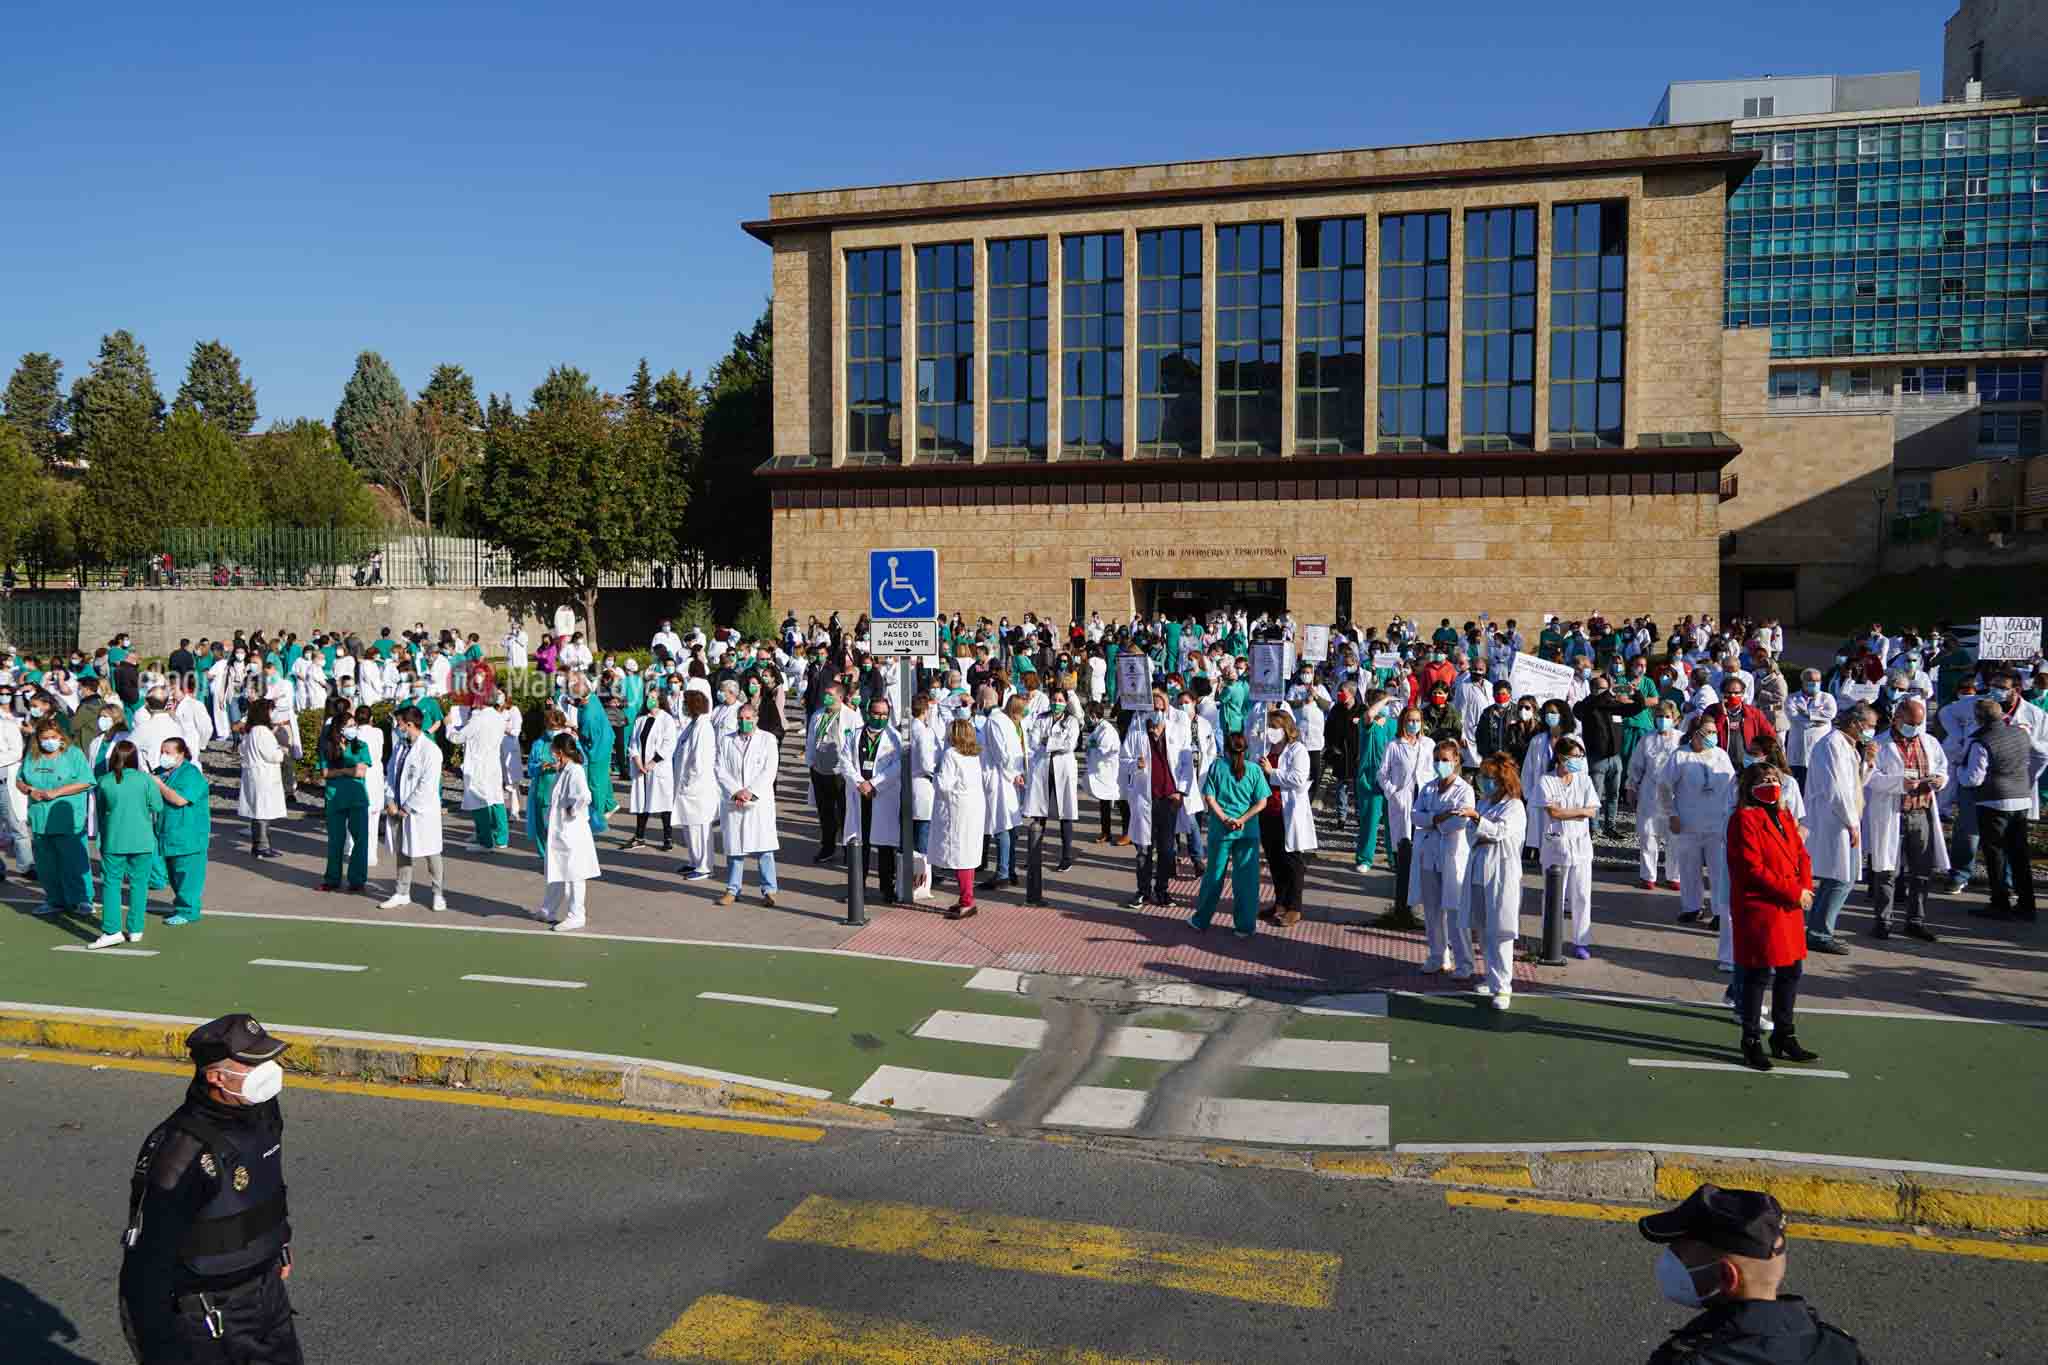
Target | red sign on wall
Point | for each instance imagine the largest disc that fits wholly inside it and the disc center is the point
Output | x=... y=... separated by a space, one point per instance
x=1311 y=566
x=1106 y=566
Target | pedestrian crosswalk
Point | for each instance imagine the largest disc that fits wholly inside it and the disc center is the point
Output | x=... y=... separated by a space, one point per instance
x=733 y=1330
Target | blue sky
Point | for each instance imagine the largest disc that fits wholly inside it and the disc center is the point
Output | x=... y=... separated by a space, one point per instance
x=509 y=186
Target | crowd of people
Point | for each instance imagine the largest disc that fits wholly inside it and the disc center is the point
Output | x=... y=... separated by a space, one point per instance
x=1761 y=795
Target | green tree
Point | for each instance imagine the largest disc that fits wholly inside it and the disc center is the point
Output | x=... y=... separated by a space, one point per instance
x=640 y=393
x=302 y=480
x=580 y=484
x=20 y=473
x=215 y=389
x=117 y=403
x=370 y=394
x=728 y=520
x=189 y=474
x=451 y=394
x=678 y=402
x=34 y=403
x=757 y=620
x=49 y=538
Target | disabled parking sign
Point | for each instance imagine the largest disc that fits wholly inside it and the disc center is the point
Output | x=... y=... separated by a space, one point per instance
x=903 y=601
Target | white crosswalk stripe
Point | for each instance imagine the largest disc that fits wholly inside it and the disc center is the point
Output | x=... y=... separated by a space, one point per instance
x=1156 y=1044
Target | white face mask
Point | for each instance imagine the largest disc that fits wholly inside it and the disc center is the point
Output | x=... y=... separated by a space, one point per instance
x=349 y=732
x=1273 y=735
x=262 y=1083
x=1674 y=1278
x=106 y=724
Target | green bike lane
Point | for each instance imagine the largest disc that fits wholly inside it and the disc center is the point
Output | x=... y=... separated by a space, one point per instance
x=1551 y=1070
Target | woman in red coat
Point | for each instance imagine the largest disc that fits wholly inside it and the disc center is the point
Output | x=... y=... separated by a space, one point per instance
x=1770 y=886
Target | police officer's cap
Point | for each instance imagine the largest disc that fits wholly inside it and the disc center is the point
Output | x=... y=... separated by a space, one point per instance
x=1739 y=1222
x=232 y=1037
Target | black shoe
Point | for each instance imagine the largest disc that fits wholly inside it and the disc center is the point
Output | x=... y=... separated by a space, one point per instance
x=1879 y=929
x=1712 y=924
x=1828 y=946
x=1015 y=880
x=668 y=846
x=1064 y=867
x=988 y=884
x=1921 y=932
x=1691 y=916
x=1753 y=1055
x=1135 y=903
x=824 y=855
x=1786 y=1046
x=632 y=844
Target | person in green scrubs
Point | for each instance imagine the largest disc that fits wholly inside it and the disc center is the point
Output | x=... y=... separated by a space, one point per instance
x=58 y=781
x=129 y=804
x=345 y=765
x=1375 y=731
x=1234 y=792
x=184 y=830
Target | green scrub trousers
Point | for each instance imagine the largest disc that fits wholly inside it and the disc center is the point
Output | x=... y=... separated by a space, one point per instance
x=493 y=827
x=64 y=870
x=133 y=868
x=343 y=824
x=187 y=874
x=1237 y=850
x=1372 y=808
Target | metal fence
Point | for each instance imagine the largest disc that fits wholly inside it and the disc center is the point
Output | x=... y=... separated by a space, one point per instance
x=40 y=625
x=293 y=557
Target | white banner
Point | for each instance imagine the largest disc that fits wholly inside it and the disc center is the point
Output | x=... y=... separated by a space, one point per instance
x=1386 y=659
x=2008 y=637
x=1272 y=661
x=1134 y=681
x=1315 y=644
x=1855 y=692
x=1539 y=678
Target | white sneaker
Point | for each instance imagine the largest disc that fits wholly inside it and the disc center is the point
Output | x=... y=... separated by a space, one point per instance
x=135 y=938
x=395 y=903
x=106 y=941
x=569 y=925
x=440 y=904
x=1500 y=1002
x=1483 y=988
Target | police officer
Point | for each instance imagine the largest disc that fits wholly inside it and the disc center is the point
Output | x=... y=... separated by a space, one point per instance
x=209 y=1240
x=1724 y=1251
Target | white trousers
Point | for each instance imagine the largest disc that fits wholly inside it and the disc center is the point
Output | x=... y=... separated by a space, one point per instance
x=1653 y=841
x=1443 y=926
x=697 y=845
x=561 y=895
x=1694 y=853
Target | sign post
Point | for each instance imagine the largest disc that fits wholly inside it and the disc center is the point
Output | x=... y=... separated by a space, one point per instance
x=903 y=596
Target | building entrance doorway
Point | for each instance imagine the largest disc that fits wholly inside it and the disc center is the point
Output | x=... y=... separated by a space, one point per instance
x=1197 y=597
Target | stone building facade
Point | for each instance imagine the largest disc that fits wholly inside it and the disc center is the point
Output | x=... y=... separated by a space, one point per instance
x=1454 y=522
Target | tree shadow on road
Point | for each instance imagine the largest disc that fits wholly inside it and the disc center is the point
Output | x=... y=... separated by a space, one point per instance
x=35 y=1329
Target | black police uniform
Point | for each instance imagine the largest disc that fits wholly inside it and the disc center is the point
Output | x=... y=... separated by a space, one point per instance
x=208 y=1227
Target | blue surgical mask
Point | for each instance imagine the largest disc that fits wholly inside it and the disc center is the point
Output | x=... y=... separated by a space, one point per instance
x=1487 y=786
x=1575 y=765
x=1709 y=740
x=1444 y=767
x=52 y=745
x=1663 y=724
x=1553 y=719
x=1812 y=686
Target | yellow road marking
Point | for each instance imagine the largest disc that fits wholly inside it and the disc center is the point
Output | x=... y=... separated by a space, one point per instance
x=745 y=1332
x=1818 y=1232
x=1295 y=1279
x=652 y=1118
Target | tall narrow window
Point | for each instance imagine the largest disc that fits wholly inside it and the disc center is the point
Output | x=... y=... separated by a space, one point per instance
x=1016 y=349
x=1248 y=283
x=1588 y=324
x=1092 y=346
x=1329 y=325
x=1499 y=382
x=1170 y=342
x=1415 y=331
x=874 y=355
x=945 y=352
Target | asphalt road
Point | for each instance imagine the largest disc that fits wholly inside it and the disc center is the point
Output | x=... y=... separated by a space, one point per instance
x=430 y=1232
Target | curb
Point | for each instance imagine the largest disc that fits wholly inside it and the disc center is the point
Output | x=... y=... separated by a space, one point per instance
x=646 y=1085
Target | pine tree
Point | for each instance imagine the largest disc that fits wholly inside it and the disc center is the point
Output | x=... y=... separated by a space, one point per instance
x=640 y=393
x=370 y=396
x=34 y=404
x=215 y=389
x=452 y=392
x=118 y=403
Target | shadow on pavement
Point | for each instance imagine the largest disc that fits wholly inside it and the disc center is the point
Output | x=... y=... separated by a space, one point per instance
x=35 y=1331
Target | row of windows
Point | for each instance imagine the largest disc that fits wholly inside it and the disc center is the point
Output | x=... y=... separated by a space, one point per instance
x=1588 y=302
x=1905 y=139
x=1884 y=338
x=2001 y=383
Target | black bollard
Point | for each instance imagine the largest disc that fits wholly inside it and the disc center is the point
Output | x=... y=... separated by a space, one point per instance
x=1553 y=917
x=1404 y=854
x=856 y=884
x=1034 y=874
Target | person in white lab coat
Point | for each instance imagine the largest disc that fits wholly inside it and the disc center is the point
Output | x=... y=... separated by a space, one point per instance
x=1309 y=702
x=695 y=763
x=1104 y=783
x=220 y=692
x=1838 y=768
x=959 y=813
x=1403 y=770
x=1438 y=863
x=1287 y=826
x=1901 y=832
x=1003 y=754
x=1051 y=776
x=412 y=808
x=650 y=766
x=1695 y=796
x=1809 y=716
x=194 y=721
x=516 y=641
x=1494 y=874
x=1653 y=837
x=871 y=767
x=153 y=725
x=373 y=784
x=570 y=857
x=928 y=726
x=261 y=799
x=1570 y=801
x=1156 y=773
x=480 y=730
x=746 y=767
x=1198 y=732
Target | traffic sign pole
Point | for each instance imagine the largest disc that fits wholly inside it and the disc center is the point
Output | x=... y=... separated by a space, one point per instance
x=905 y=879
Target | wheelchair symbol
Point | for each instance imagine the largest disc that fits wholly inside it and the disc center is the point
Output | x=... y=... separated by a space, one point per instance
x=894 y=581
